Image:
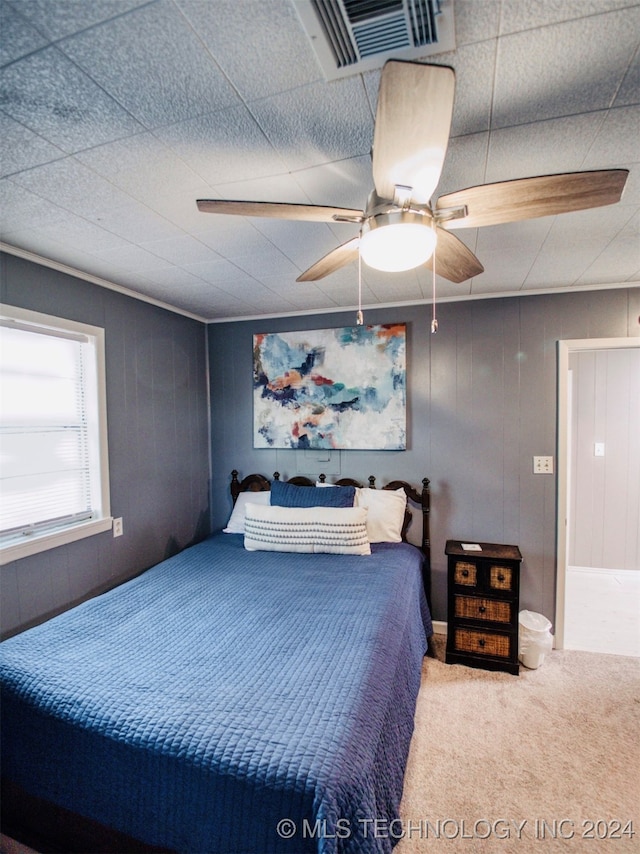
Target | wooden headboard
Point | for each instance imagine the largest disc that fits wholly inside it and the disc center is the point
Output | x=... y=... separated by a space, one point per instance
x=259 y=483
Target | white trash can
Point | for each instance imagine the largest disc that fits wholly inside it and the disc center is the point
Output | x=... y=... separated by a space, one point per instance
x=535 y=638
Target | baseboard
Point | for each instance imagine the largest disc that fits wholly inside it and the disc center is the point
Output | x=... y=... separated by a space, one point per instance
x=439 y=627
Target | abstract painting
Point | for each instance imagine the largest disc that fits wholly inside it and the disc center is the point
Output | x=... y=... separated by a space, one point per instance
x=331 y=388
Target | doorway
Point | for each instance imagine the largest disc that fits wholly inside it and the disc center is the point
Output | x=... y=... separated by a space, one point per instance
x=598 y=510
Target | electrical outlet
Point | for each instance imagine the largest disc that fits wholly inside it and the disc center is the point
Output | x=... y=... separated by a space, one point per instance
x=543 y=465
x=117 y=527
x=598 y=449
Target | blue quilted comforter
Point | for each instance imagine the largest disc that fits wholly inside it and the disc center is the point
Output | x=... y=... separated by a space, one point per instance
x=227 y=701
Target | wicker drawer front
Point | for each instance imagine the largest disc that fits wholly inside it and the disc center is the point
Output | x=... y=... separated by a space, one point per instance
x=483 y=643
x=465 y=573
x=494 y=610
x=501 y=578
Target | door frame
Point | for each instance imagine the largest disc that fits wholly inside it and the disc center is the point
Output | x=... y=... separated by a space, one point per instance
x=565 y=347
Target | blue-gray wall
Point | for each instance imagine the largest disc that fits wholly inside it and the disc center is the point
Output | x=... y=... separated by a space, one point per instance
x=481 y=404
x=158 y=442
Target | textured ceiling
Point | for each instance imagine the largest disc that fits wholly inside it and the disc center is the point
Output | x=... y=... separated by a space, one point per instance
x=116 y=115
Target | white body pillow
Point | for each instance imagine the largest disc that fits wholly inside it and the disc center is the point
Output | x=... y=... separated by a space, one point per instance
x=336 y=530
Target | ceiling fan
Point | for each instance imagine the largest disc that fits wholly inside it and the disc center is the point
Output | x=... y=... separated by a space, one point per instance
x=399 y=227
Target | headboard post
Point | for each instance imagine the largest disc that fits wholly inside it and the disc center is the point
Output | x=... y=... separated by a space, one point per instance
x=235 y=485
x=251 y=483
x=426 y=511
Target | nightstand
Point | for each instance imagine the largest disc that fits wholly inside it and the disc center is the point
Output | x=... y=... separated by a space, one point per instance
x=483 y=599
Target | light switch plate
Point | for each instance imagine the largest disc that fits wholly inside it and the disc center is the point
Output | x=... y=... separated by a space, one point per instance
x=543 y=465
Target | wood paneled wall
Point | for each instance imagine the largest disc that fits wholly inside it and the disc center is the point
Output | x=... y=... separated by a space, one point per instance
x=158 y=442
x=605 y=490
x=482 y=402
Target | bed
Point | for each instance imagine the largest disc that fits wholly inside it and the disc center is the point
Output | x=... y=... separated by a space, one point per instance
x=235 y=698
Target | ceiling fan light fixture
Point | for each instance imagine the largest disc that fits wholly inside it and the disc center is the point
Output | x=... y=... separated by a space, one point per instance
x=397 y=241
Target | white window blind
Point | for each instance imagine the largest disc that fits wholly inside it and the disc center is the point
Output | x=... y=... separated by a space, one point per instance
x=50 y=430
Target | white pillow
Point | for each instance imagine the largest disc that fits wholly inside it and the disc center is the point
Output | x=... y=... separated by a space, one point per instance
x=235 y=525
x=385 y=513
x=334 y=530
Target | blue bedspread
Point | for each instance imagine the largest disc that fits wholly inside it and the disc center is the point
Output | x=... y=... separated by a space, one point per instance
x=199 y=705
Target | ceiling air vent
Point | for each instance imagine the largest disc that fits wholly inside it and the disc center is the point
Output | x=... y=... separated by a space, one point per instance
x=350 y=36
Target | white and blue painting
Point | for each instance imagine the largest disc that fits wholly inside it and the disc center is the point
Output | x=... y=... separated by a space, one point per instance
x=331 y=388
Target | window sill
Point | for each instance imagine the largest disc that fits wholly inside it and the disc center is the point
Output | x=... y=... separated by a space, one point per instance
x=42 y=542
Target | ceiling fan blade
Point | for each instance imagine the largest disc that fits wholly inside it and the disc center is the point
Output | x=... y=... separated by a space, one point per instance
x=332 y=261
x=413 y=120
x=280 y=210
x=454 y=261
x=527 y=198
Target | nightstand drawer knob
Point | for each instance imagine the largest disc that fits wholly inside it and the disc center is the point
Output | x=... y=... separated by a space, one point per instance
x=481 y=642
x=482 y=609
x=465 y=573
x=501 y=578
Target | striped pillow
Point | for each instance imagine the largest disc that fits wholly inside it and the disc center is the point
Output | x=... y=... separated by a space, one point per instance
x=334 y=530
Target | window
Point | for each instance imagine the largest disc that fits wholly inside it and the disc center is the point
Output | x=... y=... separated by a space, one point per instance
x=54 y=476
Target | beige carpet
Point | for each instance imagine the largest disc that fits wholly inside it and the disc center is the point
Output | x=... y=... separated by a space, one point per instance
x=507 y=763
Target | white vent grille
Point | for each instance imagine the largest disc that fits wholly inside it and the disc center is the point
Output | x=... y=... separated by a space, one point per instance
x=349 y=36
x=382 y=34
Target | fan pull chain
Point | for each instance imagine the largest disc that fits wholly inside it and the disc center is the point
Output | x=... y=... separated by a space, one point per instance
x=434 y=319
x=359 y=315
